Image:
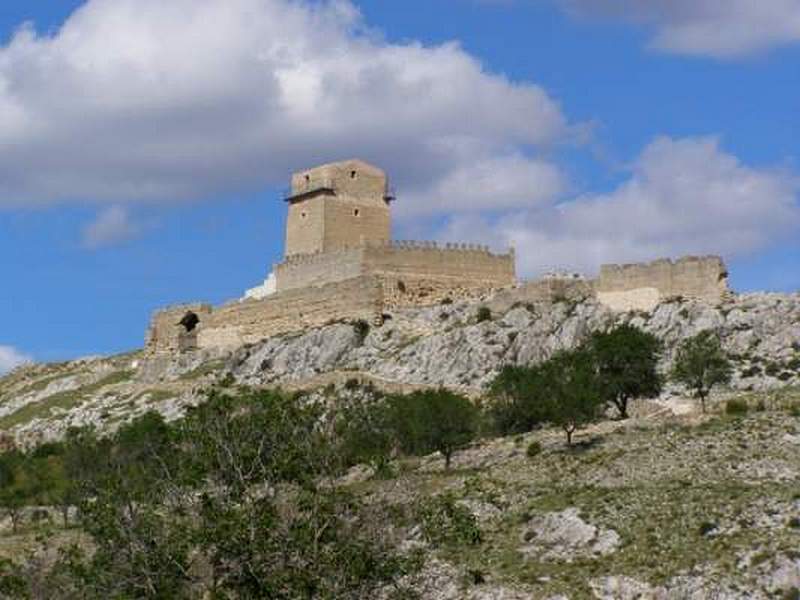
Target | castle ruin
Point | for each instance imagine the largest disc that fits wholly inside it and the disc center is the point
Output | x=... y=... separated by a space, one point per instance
x=341 y=264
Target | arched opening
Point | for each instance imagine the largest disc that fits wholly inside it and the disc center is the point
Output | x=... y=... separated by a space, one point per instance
x=189 y=322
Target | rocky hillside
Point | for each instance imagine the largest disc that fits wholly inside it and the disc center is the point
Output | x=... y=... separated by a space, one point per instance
x=442 y=345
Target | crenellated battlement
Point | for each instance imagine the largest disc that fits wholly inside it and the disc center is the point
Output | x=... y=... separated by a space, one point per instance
x=710 y=261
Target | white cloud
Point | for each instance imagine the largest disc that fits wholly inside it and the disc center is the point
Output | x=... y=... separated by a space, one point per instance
x=683 y=196
x=11 y=358
x=112 y=226
x=716 y=28
x=489 y=184
x=145 y=99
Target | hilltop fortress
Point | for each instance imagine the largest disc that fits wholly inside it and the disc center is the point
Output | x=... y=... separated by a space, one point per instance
x=341 y=264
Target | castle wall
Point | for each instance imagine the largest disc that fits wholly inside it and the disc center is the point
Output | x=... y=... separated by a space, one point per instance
x=250 y=321
x=642 y=286
x=294 y=310
x=546 y=290
x=319 y=269
x=458 y=262
x=166 y=332
x=416 y=274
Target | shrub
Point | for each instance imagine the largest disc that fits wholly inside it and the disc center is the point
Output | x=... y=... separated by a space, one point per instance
x=446 y=300
x=446 y=523
x=751 y=371
x=772 y=369
x=707 y=528
x=534 y=449
x=361 y=328
x=736 y=406
x=484 y=314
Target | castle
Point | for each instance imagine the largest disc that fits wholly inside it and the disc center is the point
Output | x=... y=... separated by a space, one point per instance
x=341 y=264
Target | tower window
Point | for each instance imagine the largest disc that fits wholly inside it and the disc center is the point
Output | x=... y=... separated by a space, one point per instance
x=308 y=178
x=353 y=174
x=303 y=215
x=356 y=212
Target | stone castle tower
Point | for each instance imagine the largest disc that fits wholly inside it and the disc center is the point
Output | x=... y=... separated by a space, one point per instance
x=337 y=206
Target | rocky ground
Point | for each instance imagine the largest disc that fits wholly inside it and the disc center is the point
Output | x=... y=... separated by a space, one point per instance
x=441 y=345
x=663 y=506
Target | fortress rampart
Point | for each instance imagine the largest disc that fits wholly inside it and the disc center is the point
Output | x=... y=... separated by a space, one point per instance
x=643 y=286
x=340 y=265
x=247 y=322
x=406 y=265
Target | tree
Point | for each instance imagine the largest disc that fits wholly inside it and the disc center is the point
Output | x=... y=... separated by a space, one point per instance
x=433 y=420
x=626 y=360
x=701 y=363
x=519 y=400
x=14 y=487
x=575 y=395
x=237 y=500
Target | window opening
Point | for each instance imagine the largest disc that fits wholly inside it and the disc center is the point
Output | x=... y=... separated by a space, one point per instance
x=189 y=322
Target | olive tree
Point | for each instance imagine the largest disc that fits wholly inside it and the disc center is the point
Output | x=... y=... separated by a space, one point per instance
x=700 y=364
x=626 y=360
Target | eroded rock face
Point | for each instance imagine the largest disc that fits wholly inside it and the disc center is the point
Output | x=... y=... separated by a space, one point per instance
x=445 y=345
x=565 y=536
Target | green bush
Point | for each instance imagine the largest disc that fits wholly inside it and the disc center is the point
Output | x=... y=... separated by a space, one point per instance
x=484 y=314
x=736 y=407
x=446 y=523
x=752 y=371
x=361 y=328
x=534 y=449
x=772 y=369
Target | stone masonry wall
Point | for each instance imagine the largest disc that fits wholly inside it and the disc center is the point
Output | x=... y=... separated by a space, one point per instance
x=473 y=265
x=319 y=269
x=166 y=332
x=642 y=286
x=250 y=321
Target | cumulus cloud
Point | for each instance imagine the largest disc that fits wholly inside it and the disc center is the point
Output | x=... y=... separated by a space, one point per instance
x=682 y=196
x=487 y=184
x=716 y=28
x=150 y=100
x=112 y=226
x=11 y=358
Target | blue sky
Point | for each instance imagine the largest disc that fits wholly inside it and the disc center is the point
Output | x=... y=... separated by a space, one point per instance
x=144 y=144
